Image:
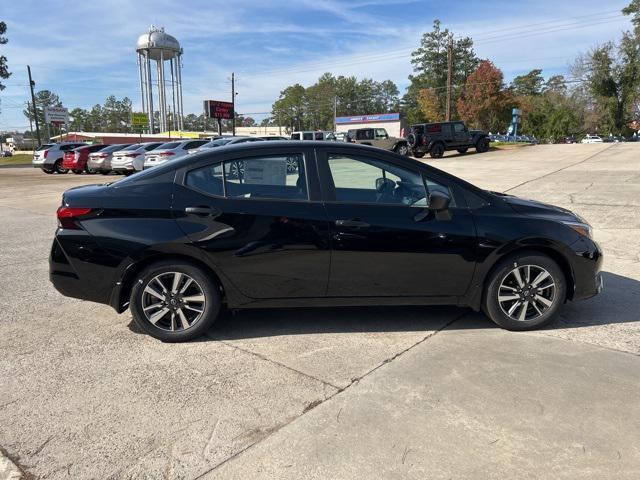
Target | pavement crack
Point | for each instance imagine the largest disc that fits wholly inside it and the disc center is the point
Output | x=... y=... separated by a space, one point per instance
x=317 y=403
x=561 y=169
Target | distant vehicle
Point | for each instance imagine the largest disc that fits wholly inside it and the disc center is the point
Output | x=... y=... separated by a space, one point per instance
x=100 y=162
x=220 y=142
x=378 y=137
x=591 y=139
x=312 y=135
x=170 y=151
x=7 y=153
x=569 y=140
x=49 y=156
x=436 y=138
x=342 y=137
x=272 y=137
x=76 y=160
x=131 y=159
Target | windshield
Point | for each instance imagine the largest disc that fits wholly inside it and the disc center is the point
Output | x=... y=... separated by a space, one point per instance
x=44 y=146
x=135 y=146
x=168 y=146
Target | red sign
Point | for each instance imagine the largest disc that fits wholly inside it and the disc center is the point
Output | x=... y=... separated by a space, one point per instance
x=218 y=109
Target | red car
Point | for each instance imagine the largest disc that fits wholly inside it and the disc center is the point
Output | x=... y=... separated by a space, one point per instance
x=76 y=159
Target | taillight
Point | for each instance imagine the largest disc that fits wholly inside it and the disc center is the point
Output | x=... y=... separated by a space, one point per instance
x=166 y=154
x=131 y=154
x=103 y=155
x=67 y=215
x=424 y=140
x=46 y=152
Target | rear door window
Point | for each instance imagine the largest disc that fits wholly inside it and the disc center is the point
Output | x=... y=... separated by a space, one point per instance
x=195 y=144
x=307 y=136
x=280 y=177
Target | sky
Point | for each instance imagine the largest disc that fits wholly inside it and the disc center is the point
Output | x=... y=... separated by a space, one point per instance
x=85 y=51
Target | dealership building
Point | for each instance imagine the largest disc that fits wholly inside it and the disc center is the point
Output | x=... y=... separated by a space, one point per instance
x=391 y=122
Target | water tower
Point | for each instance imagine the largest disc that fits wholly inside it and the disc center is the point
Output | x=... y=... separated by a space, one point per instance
x=160 y=47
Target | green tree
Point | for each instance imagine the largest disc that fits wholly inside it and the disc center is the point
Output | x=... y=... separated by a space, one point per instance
x=633 y=9
x=44 y=98
x=290 y=106
x=4 y=70
x=530 y=84
x=429 y=62
x=77 y=119
x=556 y=83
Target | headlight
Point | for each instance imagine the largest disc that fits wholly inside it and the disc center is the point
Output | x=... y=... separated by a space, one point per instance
x=582 y=228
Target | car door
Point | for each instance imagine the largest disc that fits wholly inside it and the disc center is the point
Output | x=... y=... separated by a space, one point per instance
x=385 y=241
x=262 y=225
x=460 y=134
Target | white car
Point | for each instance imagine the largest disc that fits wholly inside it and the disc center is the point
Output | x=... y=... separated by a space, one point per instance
x=100 y=161
x=170 y=151
x=48 y=156
x=591 y=139
x=131 y=159
x=225 y=141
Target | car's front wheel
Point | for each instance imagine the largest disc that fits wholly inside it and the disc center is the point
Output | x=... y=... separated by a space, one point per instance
x=524 y=291
x=482 y=145
x=174 y=301
x=59 y=168
x=437 y=151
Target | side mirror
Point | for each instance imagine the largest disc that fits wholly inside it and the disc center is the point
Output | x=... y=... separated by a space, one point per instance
x=439 y=201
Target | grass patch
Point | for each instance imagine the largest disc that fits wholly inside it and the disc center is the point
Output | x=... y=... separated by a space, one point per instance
x=22 y=159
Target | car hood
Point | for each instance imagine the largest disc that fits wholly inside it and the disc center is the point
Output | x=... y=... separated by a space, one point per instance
x=534 y=208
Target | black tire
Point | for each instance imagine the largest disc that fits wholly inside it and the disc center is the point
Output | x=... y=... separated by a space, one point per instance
x=462 y=150
x=89 y=171
x=59 y=168
x=418 y=154
x=499 y=313
x=412 y=139
x=437 y=150
x=105 y=172
x=161 y=330
x=77 y=172
x=482 y=145
x=48 y=172
x=402 y=149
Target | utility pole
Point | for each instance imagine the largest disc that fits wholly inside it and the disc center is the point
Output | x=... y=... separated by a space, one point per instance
x=233 y=104
x=335 y=111
x=30 y=125
x=33 y=103
x=449 y=77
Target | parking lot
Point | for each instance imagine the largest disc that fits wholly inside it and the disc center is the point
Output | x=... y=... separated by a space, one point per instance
x=395 y=392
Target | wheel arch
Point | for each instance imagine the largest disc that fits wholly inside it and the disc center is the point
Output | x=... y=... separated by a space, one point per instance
x=122 y=291
x=519 y=249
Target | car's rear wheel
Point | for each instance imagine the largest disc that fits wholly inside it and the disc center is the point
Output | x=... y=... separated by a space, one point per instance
x=418 y=154
x=77 y=172
x=524 y=291
x=174 y=301
x=48 y=172
x=88 y=170
x=437 y=151
x=402 y=149
x=482 y=145
x=462 y=150
x=59 y=168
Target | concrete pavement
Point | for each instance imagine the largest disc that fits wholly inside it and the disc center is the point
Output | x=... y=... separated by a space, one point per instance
x=341 y=393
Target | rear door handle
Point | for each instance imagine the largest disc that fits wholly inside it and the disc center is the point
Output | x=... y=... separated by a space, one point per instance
x=353 y=223
x=204 y=211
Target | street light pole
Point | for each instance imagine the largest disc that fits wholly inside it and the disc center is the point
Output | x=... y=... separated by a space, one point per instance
x=233 y=104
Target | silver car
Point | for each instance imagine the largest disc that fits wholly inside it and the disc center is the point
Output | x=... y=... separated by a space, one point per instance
x=170 y=151
x=131 y=159
x=49 y=156
x=101 y=161
x=220 y=142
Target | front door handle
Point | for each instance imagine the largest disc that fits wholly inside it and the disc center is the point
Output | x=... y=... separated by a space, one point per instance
x=352 y=223
x=203 y=211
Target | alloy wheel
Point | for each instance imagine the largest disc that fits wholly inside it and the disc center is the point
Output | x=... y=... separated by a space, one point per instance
x=526 y=292
x=173 y=301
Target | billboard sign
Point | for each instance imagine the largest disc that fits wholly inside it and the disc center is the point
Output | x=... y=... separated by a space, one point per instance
x=379 y=117
x=218 y=109
x=139 y=118
x=59 y=115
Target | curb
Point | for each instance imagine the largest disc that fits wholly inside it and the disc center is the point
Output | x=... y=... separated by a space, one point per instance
x=17 y=165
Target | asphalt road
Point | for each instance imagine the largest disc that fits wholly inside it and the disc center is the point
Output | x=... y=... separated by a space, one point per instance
x=334 y=393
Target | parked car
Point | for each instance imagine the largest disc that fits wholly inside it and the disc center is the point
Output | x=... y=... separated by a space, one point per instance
x=131 y=159
x=378 y=137
x=100 y=162
x=342 y=137
x=49 y=156
x=221 y=142
x=76 y=160
x=436 y=138
x=312 y=135
x=7 y=153
x=170 y=151
x=352 y=225
x=591 y=139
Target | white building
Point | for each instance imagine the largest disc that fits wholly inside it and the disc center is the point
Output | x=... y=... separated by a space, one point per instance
x=389 y=121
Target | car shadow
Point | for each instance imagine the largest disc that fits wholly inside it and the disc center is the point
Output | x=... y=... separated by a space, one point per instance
x=618 y=303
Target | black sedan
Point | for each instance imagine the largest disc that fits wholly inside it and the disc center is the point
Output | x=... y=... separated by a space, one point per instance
x=350 y=225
